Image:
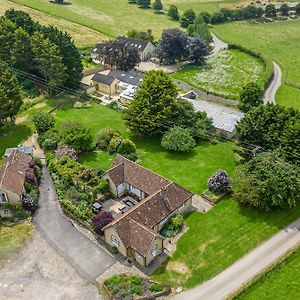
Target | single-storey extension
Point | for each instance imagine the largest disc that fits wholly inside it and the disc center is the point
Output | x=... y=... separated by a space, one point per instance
x=136 y=233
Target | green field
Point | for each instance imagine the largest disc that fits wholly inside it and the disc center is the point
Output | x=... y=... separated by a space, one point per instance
x=280 y=283
x=224 y=74
x=278 y=41
x=110 y=18
x=12 y=238
x=217 y=239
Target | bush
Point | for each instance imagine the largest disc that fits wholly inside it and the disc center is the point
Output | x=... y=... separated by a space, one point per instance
x=178 y=139
x=49 y=144
x=43 y=121
x=126 y=147
x=219 y=182
x=104 y=137
x=114 y=144
x=102 y=219
x=177 y=221
x=156 y=287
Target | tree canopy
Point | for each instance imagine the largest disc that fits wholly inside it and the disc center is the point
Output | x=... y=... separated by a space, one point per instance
x=272 y=127
x=250 y=96
x=10 y=94
x=267 y=181
x=187 y=18
x=173 y=12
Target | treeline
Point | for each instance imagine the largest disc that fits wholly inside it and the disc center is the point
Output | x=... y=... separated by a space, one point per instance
x=42 y=51
x=225 y=15
x=157 y=4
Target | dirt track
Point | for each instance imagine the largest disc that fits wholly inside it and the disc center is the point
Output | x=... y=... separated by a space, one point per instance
x=39 y=273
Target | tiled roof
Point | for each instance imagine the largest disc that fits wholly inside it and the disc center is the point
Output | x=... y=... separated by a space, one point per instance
x=136 y=175
x=135 y=227
x=12 y=173
x=135 y=235
x=130 y=77
x=138 y=44
x=101 y=78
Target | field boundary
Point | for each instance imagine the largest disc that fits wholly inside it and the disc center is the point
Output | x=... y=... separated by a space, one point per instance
x=277 y=263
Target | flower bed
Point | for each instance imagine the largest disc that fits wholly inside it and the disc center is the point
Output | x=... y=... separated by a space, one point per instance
x=212 y=196
x=133 y=287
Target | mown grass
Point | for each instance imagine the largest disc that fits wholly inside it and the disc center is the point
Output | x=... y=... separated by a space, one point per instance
x=110 y=18
x=224 y=74
x=278 y=41
x=12 y=135
x=13 y=237
x=217 y=239
x=82 y=35
x=282 y=282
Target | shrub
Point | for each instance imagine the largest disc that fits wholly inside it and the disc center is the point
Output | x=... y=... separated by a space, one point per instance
x=114 y=144
x=177 y=221
x=126 y=147
x=219 y=182
x=102 y=219
x=178 y=139
x=156 y=287
x=43 y=121
x=102 y=187
x=104 y=137
x=66 y=151
x=49 y=144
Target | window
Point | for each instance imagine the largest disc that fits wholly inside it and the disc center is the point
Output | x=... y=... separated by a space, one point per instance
x=115 y=241
x=154 y=250
x=181 y=207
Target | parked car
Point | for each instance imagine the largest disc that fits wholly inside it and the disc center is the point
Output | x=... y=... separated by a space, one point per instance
x=96 y=207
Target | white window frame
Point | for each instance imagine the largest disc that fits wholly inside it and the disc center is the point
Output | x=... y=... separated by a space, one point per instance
x=115 y=241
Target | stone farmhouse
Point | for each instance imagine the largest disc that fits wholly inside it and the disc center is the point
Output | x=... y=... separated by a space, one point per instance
x=136 y=231
x=145 y=48
x=113 y=82
x=12 y=175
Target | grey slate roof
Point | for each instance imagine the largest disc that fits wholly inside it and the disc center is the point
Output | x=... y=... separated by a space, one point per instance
x=101 y=78
x=224 y=118
x=131 y=77
x=24 y=149
x=138 y=44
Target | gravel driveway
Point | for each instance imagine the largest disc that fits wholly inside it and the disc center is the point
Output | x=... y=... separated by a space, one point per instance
x=39 y=273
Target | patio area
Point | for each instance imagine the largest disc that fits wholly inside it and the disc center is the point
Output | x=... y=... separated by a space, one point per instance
x=120 y=205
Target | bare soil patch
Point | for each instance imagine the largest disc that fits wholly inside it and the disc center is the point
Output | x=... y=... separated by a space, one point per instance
x=178 y=267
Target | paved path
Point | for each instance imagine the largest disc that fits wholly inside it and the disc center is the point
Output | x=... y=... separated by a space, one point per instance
x=88 y=259
x=247 y=267
x=270 y=92
x=218 y=44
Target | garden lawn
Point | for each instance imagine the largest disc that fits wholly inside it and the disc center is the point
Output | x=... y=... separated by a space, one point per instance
x=12 y=135
x=13 y=237
x=224 y=74
x=278 y=41
x=110 y=18
x=82 y=35
x=217 y=239
x=280 y=283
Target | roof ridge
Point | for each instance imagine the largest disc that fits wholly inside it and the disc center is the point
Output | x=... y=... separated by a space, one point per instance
x=135 y=163
x=110 y=169
x=151 y=231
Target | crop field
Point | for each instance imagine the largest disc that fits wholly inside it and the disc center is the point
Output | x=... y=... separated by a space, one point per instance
x=110 y=18
x=224 y=74
x=82 y=35
x=278 y=41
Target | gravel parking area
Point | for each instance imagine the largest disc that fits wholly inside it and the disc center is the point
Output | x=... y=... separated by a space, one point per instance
x=38 y=272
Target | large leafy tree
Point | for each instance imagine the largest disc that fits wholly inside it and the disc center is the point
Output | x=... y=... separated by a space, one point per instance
x=152 y=110
x=157 y=5
x=250 y=96
x=69 y=52
x=199 y=29
x=115 y=54
x=187 y=18
x=10 y=95
x=7 y=39
x=270 y=127
x=173 y=45
x=267 y=181
x=22 y=19
x=48 y=60
x=197 y=50
x=173 y=12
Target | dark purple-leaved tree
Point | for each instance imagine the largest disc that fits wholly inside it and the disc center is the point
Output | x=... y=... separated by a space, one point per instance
x=102 y=219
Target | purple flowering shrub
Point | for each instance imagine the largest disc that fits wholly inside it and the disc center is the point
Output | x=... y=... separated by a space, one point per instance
x=219 y=182
x=102 y=219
